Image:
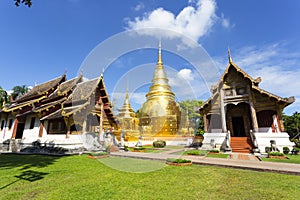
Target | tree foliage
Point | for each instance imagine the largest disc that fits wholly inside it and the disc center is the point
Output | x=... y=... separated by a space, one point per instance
x=192 y=108
x=292 y=124
x=3 y=97
x=25 y=2
x=18 y=91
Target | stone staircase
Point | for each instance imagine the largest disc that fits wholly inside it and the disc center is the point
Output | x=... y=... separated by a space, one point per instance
x=241 y=144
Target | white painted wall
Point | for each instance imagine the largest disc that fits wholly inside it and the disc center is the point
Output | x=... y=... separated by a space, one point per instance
x=6 y=132
x=282 y=140
x=218 y=139
x=31 y=135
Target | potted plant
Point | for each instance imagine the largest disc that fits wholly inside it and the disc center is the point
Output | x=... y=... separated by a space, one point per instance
x=276 y=154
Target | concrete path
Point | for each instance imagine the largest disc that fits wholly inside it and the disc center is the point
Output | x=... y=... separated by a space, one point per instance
x=286 y=168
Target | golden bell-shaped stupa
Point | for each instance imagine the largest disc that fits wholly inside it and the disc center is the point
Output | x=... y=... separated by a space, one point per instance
x=160 y=114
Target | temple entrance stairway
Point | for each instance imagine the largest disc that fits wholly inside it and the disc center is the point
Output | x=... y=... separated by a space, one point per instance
x=241 y=144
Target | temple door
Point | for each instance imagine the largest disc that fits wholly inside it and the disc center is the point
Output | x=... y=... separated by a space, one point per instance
x=238 y=127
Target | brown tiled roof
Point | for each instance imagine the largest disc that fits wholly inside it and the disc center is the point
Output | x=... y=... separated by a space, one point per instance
x=49 y=105
x=80 y=98
x=287 y=101
x=41 y=89
x=54 y=115
x=64 y=88
x=83 y=91
x=16 y=106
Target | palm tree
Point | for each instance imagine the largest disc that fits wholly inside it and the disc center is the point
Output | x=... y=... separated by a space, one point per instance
x=3 y=97
x=18 y=91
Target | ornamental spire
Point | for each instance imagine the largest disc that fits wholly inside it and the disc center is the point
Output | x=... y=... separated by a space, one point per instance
x=159 y=60
x=229 y=56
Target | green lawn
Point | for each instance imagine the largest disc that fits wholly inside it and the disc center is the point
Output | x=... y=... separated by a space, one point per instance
x=79 y=177
x=292 y=159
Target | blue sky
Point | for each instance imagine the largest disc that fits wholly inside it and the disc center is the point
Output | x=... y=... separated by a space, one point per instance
x=40 y=43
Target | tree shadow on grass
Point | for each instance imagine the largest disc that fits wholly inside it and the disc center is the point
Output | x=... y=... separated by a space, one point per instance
x=8 y=161
x=25 y=162
x=28 y=175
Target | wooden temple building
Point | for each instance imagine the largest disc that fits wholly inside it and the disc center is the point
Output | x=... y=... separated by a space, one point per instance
x=58 y=111
x=242 y=117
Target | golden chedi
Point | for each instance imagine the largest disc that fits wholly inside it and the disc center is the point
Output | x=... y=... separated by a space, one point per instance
x=127 y=120
x=160 y=114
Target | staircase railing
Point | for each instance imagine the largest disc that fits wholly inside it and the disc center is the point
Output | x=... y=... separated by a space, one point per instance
x=254 y=141
x=228 y=147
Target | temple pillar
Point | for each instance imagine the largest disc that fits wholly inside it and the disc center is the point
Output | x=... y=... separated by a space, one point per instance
x=41 y=129
x=223 y=113
x=280 y=121
x=14 y=133
x=68 y=125
x=205 y=123
x=252 y=111
x=101 y=119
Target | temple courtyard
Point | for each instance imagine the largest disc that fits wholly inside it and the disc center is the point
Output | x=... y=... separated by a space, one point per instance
x=115 y=177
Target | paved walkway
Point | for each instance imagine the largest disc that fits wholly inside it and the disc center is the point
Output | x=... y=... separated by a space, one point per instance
x=286 y=168
x=243 y=156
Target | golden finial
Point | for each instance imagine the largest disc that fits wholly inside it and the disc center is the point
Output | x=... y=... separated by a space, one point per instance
x=229 y=56
x=102 y=72
x=159 y=61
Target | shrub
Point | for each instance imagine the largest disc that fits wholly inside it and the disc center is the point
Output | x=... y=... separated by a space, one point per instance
x=125 y=148
x=178 y=160
x=267 y=149
x=286 y=150
x=98 y=153
x=275 y=154
x=139 y=148
x=296 y=150
x=159 y=144
x=193 y=152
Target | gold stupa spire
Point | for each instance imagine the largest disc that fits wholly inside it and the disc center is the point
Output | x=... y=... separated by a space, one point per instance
x=229 y=56
x=159 y=60
x=126 y=110
x=160 y=85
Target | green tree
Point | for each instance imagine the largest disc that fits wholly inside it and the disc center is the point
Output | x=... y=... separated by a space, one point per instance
x=192 y=107
x=3 y=97
x=25 y=2
x=292 y=124
x=18 y=91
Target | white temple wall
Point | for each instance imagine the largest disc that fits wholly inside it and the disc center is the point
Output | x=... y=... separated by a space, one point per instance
x=281 y=139
x=7 y=131
x=30 y=134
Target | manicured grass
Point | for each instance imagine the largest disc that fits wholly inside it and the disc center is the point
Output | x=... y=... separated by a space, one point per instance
x=79 y=177
x=292 y=159
x=194 y=152
x=218 y=155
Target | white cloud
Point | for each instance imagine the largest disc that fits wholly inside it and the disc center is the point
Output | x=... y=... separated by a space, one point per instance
x=226 y=22
x=139 y=6
x=186 y=74
x=193 y=21
x=185 y=85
